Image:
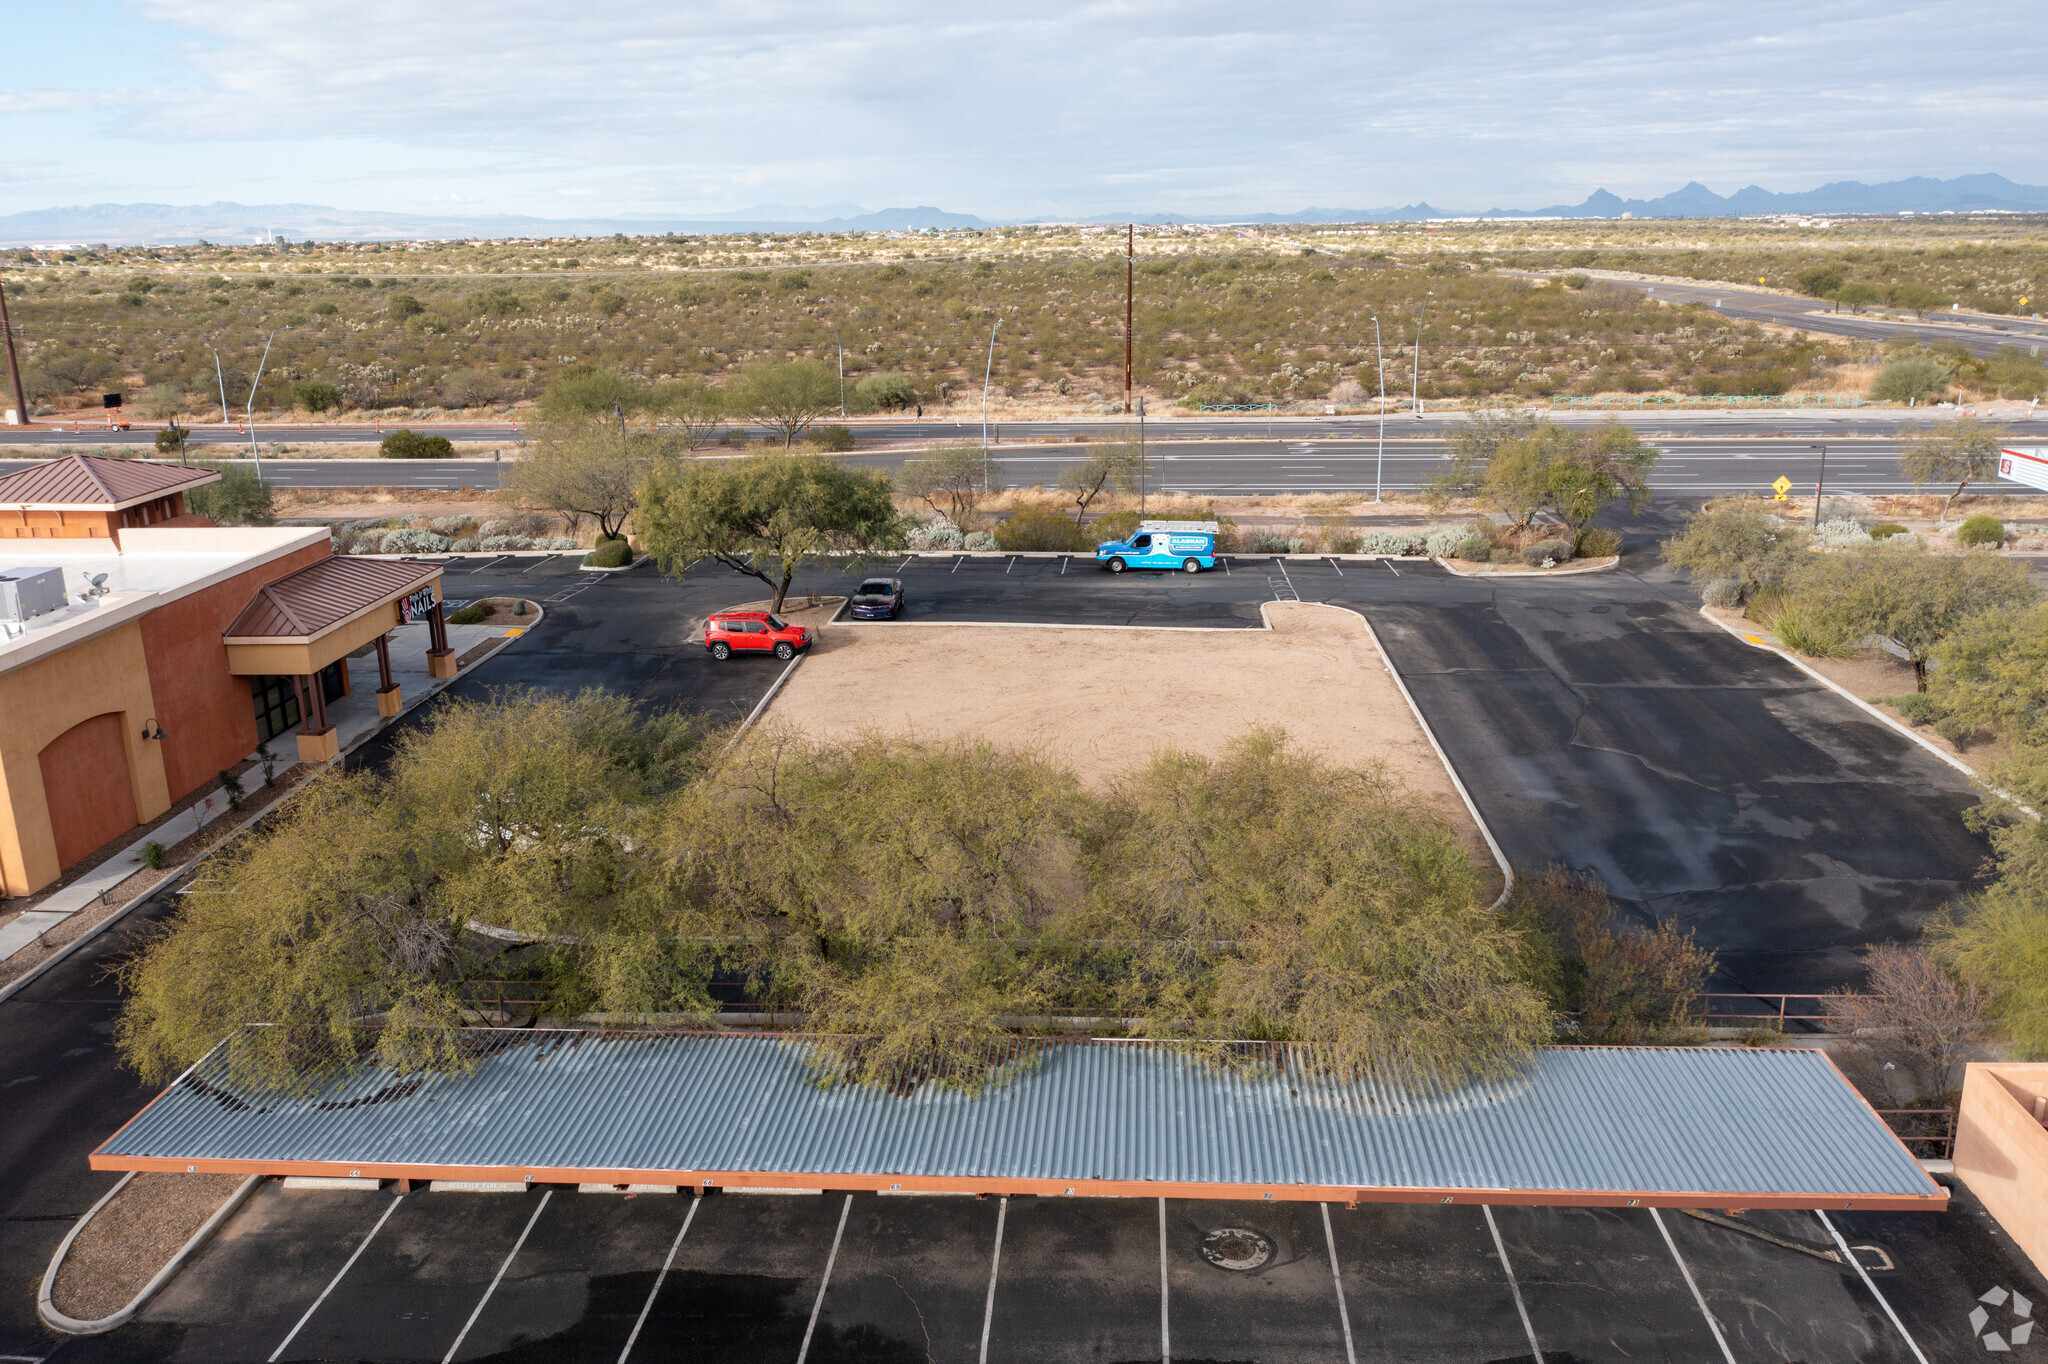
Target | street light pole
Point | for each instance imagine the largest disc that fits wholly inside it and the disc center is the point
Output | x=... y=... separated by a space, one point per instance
x=221 y=379
x=1381 y=464
x=253 y=456
x=842 y=368
x=1141 y=454
x=1420 y=313
x=987 y=372
x=1819 y=482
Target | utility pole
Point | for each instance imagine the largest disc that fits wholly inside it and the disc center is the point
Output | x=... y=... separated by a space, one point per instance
x=13 y=365
x=1420 y=313
x=1381 y=464
x=1130 y=280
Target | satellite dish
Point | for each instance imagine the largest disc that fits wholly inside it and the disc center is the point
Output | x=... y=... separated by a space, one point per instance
x=98 y=578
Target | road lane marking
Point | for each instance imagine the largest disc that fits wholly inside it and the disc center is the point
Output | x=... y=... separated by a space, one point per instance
x=1712 y=1325
x=1500 y=1249
x=826 y=1282
x=497 y=1278
x=294 y=1333
x=1343 y=1312
x=666 y=1265
x=988 y=1308
x=1864 y=1274
x=1165 y=1320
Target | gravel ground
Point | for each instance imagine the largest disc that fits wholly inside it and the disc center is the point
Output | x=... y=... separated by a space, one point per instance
x=132 y=1238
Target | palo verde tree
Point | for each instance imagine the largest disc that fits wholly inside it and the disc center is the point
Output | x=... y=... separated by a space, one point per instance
x=783 y=397
x=766 y=515
x=951 y=479
x=586 y=465
x=1911 y=597
x=1963 y=451
x=1118 y=464
x=1574 y=474
x=1743 y=538
x=1993 y=675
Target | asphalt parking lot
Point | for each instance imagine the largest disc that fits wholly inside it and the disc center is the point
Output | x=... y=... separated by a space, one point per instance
x=564 y=1277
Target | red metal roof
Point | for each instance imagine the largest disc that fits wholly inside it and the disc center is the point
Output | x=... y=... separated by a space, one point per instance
x=303 y=604
x=97 y=481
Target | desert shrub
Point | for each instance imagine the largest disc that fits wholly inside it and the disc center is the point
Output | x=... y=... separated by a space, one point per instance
x=1596 y=542
x=1885 y=530
x=495 y=528
x=1445 y=540
x=1618 y=982
x=1722 y=592
x=886 y=390
x=1118 y=525
x=1041 y=528
x=1981 y=530
x=836 y=439
x=1841 y=533
x=1501 y=554
x=498 y=544
x=1271 y=544
x=978 y=541
x=1911 y=379
x=466 y=545
x=1387 y=542
x=413 y=542
x=449 y=525
x=609 y=554
x=470 y=615
x=313 y=395
x=940 y=534
x=519 y=607
x=1764 y=604
x=153 y=855
x=1916 y=706
x=1545 y=553
x=410 y=444
x=1475 y=549
x=1797 y=631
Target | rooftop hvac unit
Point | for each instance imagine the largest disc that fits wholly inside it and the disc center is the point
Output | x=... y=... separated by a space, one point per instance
x=29 y=592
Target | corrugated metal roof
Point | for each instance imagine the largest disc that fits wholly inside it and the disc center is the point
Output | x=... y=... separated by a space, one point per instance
x=1739 y=1127
x=97 y=481
x=302 y=604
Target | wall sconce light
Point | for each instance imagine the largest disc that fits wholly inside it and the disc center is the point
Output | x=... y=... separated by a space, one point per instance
x=150 y=725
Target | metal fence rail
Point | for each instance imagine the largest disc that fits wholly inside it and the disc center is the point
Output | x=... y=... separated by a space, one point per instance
x=1706 y=400
x=1929 y=1133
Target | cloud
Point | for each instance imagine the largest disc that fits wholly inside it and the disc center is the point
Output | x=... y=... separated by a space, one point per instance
x=1101 y=105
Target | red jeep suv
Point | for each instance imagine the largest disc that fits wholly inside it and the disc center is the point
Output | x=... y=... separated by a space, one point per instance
x=757 y=632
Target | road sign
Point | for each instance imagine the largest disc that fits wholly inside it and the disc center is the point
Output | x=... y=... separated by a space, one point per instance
x=1783 y=485
x=2024 y=464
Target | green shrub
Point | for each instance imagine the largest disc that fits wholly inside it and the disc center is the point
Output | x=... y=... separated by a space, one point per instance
x=1723 y=592
x=1117 y=525
x=1765 y=603
x=1501 y=554
x=1799 y=635
x=610 y=554
x=885 y=390
x=1546 y=552
x=1885 y=530
x=470 y=615
x=1981 y=530
x=519 y=607
x=1916 y=706
x=1476 y=549
x=1596 y=542
x=1042 y=528
x=315 y=396
x=409 y=444
x=836 y=439
x=153 y=855
x=1911 y=379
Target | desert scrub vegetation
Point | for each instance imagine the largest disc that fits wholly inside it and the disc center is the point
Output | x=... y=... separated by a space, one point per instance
x=394 y=327
x=919 y=904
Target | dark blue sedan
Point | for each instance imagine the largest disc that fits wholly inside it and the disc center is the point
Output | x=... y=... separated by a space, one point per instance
x=877 y=599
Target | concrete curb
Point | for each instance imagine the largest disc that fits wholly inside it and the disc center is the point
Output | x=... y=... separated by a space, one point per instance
x=622 y=568
x=57 y=1321
x=1536 y=575
x=762 y=704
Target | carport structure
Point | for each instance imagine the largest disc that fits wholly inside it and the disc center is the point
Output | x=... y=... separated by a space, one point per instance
x=1578 y=1127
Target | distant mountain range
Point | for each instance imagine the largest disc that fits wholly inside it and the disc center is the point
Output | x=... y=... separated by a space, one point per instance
x=166 y=224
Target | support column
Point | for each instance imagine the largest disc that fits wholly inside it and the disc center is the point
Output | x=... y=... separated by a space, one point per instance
x=388 y=702
x=318 y=740
x=440 y=658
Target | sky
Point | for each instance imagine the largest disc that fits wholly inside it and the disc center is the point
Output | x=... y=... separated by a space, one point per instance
x=1048 y=109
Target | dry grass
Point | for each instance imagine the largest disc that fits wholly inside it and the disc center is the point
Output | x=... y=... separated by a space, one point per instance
x=132 y=1238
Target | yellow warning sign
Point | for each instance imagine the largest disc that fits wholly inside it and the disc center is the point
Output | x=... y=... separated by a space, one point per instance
x=1783 y=485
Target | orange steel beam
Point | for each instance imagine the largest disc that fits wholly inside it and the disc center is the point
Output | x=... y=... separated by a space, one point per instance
x=1048 y=1188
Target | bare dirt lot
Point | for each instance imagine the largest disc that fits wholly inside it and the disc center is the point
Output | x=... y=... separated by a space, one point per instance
x=1101 y=701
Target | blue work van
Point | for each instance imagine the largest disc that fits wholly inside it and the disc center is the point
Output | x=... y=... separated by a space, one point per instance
x=1189 y=546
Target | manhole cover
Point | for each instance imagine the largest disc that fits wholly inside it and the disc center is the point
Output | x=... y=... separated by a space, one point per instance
x=1236 y=1248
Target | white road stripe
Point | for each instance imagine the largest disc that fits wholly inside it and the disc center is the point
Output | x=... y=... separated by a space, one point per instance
x=826 y=1282
x=1501 y=1250
x=1864 y=1274
x=497 y=1278
x=281 y=1345
x=988 y=1310
x=1165 y=1320
x=666 y=1265
x=1678 y=1259
x=1336 y=1277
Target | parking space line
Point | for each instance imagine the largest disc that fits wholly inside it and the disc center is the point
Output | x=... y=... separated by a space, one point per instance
x=1684 y=1269
x=1063 y=565
x=988 y=1310
x=826 y=1282
x=537 y=563
x=497 y=1278
x=1165 y=1320
x=1864 y=1274
x=666 y=1265
x=956 y=565
x=1010 y=565
x=1339 y=567
x=906 y=562
x=1521 y=1309
x=1390 y=567
x=293 y=1335
x=1337 y=1278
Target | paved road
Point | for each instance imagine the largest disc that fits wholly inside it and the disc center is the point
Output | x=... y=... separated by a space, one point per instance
x=1707 y=465
x=1979 y=333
